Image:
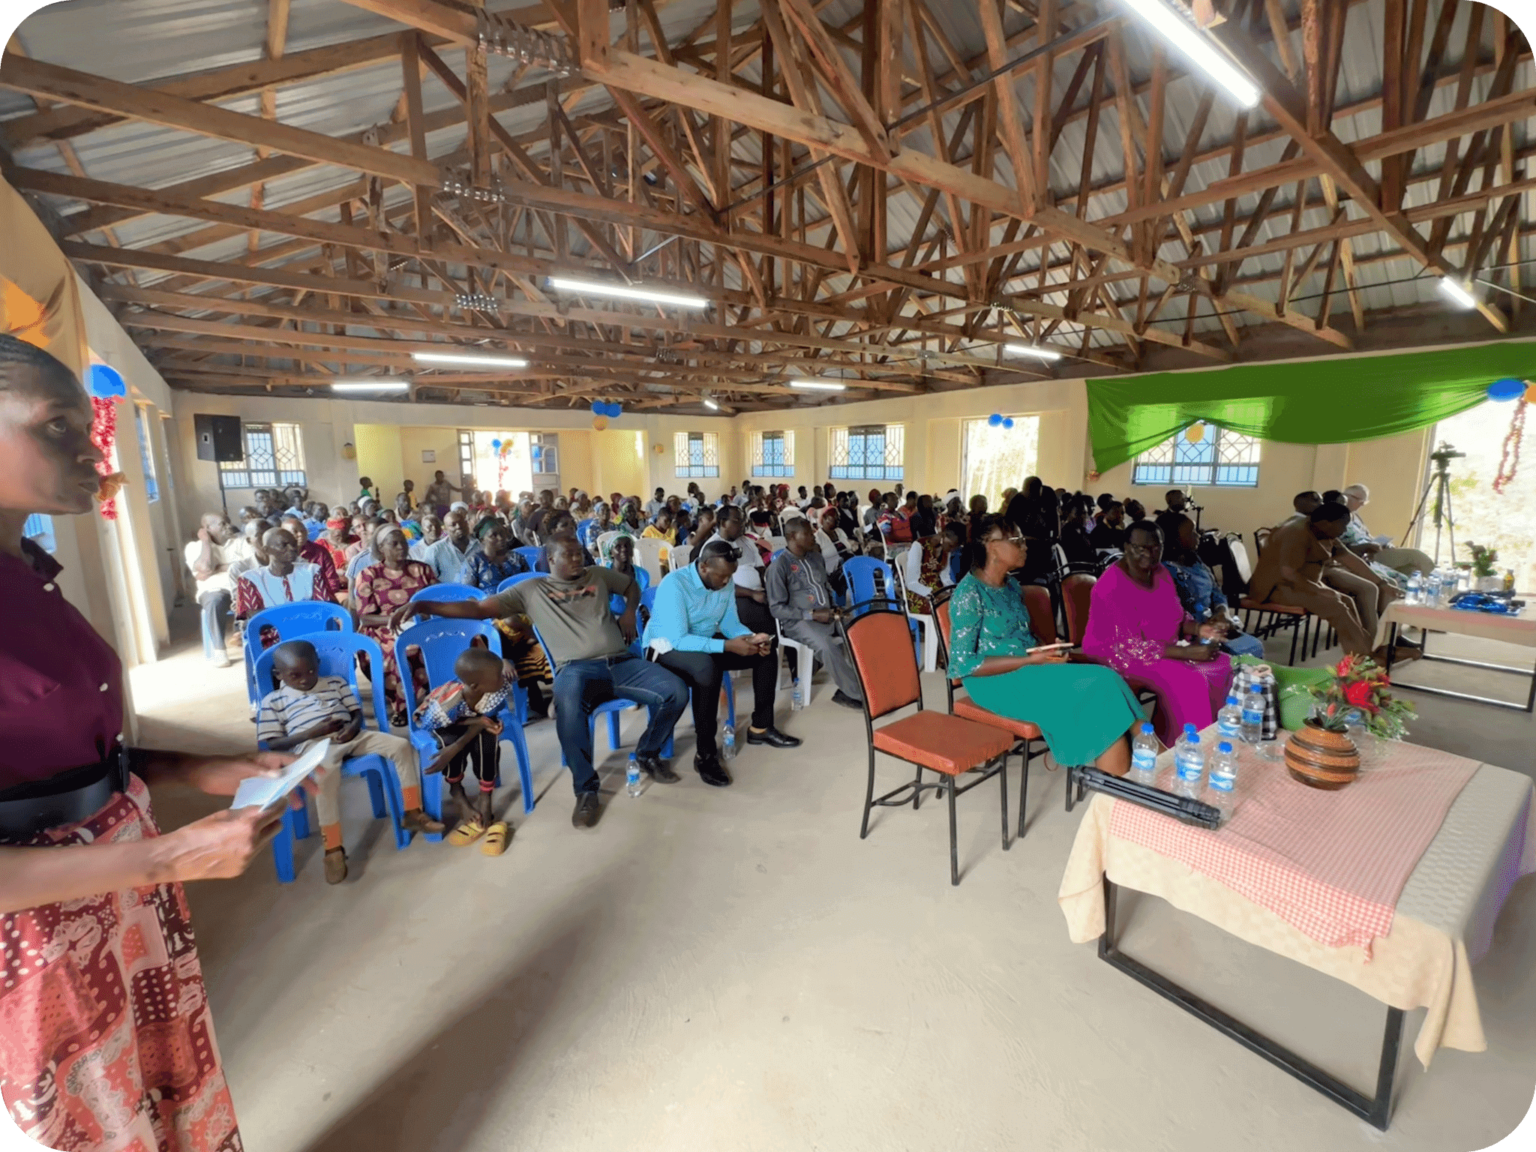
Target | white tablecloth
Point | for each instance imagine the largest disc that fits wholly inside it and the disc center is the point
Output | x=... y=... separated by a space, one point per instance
x=1443 y=924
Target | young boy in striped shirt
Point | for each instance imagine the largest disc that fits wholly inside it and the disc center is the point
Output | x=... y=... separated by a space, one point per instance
x=309 y=707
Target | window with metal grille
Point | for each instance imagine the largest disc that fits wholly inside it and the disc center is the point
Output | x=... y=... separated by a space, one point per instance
x=274 y=458
x=39 y=529
x=146 y=453
x=697 y=455
x=1219 y=458
x=871 y=452
x=467 y=456
x=773 y=454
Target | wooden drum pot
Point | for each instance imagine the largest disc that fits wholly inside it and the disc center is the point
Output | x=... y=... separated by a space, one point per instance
x=1321 y=759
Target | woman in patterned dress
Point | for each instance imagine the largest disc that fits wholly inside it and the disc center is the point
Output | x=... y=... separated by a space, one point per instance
x=379 y=589
x=106 y=1039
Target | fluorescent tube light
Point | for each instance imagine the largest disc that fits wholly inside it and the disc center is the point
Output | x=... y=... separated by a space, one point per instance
x=819 y=385
x=1457 y=293
x=1031 y=350
x=367 y=385
x=1180 y=31
x=466 y=358
x=623 y=292
x=711 y=405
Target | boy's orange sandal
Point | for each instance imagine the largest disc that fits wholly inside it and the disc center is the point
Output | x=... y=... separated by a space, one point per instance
x=466 y=833
x=496 y=837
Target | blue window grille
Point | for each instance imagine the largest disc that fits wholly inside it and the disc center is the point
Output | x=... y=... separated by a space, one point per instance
x=773 y=454
x=1220 y=458
x=696 y=455
x=873 y=452
x=146 y=453
x=39 y=529
x=274 y=458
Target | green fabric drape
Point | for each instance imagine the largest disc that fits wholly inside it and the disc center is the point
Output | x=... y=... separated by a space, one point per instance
x=1317 y=402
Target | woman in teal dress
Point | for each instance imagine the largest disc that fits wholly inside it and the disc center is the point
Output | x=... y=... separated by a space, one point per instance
x=1084 y=710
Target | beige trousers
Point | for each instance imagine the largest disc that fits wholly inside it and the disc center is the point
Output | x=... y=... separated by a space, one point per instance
x=1405 y=560
x=1368 y=597
x=395 y=749
x=1334 y=607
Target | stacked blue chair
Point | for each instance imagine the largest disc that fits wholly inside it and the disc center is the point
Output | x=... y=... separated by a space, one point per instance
x=513 y=581
x=872 y=583
x=440 y=642
x=338 y=653
x=530 y=554
x=293 y=622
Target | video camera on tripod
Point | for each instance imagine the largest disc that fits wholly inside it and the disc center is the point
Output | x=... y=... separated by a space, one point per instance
x=1438 y=485
x=1443 y=455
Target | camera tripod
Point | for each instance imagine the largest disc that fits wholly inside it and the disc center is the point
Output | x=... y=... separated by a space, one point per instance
x=1439 y=486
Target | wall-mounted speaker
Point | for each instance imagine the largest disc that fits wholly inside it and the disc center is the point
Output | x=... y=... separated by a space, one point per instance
x=219 y=438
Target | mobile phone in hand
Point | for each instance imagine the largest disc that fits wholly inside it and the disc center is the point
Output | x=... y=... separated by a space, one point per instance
x=1050 y=647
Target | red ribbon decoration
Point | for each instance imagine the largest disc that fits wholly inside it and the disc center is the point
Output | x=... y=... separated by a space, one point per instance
x=1509 y=460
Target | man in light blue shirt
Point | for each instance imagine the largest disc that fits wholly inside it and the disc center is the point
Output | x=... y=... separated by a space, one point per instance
x=694 y=632
x=449 y=555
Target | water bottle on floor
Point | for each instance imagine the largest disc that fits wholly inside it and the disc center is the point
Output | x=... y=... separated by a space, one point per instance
x=796 y=696
x=632 y=777
x=728 y=743
x=1189 y=768
x=1144 y=755
x=1415 y=588
x=1253 y=717
x=1222 y=779
x=1229 y=721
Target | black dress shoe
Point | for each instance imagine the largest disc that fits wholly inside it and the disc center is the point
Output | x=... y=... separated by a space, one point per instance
x=658 y=769
x=772 y=737
x=588 y=809
x=711 y=771
x=847 y=701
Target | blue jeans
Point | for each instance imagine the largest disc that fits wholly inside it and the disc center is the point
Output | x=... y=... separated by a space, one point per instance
x=1241 y=644
x=581 y=685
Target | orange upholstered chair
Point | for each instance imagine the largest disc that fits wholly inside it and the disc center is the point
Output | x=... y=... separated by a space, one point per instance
x=1076 y=594
x=1028 y=741
x=1042 y=620
x=880 y=645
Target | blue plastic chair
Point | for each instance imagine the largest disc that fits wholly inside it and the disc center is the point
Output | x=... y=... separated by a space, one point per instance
x=315 y=528
x=610 y=708
x=338 y=653
x=530 y=554
x=582 y=527
x=448 y=592
x=291 y=621
x=642 y=578
x=440 y=643
x=872 y=582
x=510 y=581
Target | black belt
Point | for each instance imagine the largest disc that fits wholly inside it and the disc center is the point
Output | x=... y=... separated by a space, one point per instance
x=66 y=798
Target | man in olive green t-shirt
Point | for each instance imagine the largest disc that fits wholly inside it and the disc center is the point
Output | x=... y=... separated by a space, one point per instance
x=591 y=650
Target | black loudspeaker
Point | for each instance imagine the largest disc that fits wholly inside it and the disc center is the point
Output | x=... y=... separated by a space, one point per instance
x=219 y=438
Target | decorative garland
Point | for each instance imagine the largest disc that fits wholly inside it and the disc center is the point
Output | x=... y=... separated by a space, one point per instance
x=104 y=436
x=1509 y=460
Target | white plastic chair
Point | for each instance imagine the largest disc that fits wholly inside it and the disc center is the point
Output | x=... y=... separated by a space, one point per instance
x=923 y=620
x=648 y=554
x=805 y=662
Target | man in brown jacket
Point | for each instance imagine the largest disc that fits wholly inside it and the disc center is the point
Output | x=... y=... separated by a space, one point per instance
x=1294 y=563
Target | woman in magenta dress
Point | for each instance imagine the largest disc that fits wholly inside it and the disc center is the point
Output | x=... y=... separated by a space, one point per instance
x=1135 y=625
x=381 y=588
x=106 y=1039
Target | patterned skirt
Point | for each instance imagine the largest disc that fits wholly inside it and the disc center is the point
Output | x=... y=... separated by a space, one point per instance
x=106 y=1039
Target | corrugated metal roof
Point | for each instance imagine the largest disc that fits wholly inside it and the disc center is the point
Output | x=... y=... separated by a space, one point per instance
x=143 y=40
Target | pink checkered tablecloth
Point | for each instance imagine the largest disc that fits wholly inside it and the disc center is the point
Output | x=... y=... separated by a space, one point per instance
x=1330 y=864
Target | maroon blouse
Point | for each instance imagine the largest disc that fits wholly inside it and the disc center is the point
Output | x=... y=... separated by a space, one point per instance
x=61 y=684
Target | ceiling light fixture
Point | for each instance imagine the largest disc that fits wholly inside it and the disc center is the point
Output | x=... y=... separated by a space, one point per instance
x=1031 y=350
x=711 y=405
x=819 y=385
x=624 y=292
x=370 y=385
x=1457 y=292
x=1178 y=29
x=473 y=361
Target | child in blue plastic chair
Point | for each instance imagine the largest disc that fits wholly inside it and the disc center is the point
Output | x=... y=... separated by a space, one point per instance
x=460 y=716
x=310 y=707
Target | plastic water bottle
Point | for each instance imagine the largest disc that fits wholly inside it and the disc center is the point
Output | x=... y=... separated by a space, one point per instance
x=1229 y=721
x=632 y=777
x=1415 y=588
x=1253 y=718
x=1190 y=733
x=1189 y=768
x=728 y=743
x=1434 y=588
x=1144 y=755
x=1222 y=779
x=796 y=696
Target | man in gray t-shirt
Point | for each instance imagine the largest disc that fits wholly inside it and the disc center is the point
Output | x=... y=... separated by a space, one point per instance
x=593 y=661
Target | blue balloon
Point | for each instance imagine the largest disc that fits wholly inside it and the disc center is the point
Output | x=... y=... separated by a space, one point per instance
x=496 y=444
x=995 y=420
x=1506 y=389
x=597 y=407
x=615 y=409
x=105 y=382
x=1007 y=422
x=603 y=408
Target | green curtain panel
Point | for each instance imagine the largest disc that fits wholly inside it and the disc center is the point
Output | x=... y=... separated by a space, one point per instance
x=1317 y=402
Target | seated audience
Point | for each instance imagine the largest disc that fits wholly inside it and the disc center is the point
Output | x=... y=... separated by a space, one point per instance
x=932 y=563
x=1357 y=537
x=494 y=561
x=1303 y=505
x=834 y=543
x=1082 y=554
x=656 y=503
x=208 y=557
x=570 y=609
x=448 y=556
x=1109 y=532
x=1176 y=503
x=336 y=539
x=800 y=598
x=1084 y=710
x=1302 y=565
x=378 y=592
x=308 y=707
x=600 y=521
x=431 y=533
x=313 y=552
x=461 y=716
x=560 y=526
x=282 y=579
x=696 y=633
x=1134 y=512
x=1135 y=625
x=251 y=535
x=661 y=528
x=1199 y=593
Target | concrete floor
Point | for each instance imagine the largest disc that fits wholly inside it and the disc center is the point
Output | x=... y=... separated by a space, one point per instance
x=734 y=969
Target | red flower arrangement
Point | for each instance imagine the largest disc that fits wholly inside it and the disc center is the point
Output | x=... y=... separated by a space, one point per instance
x=1359 y=688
